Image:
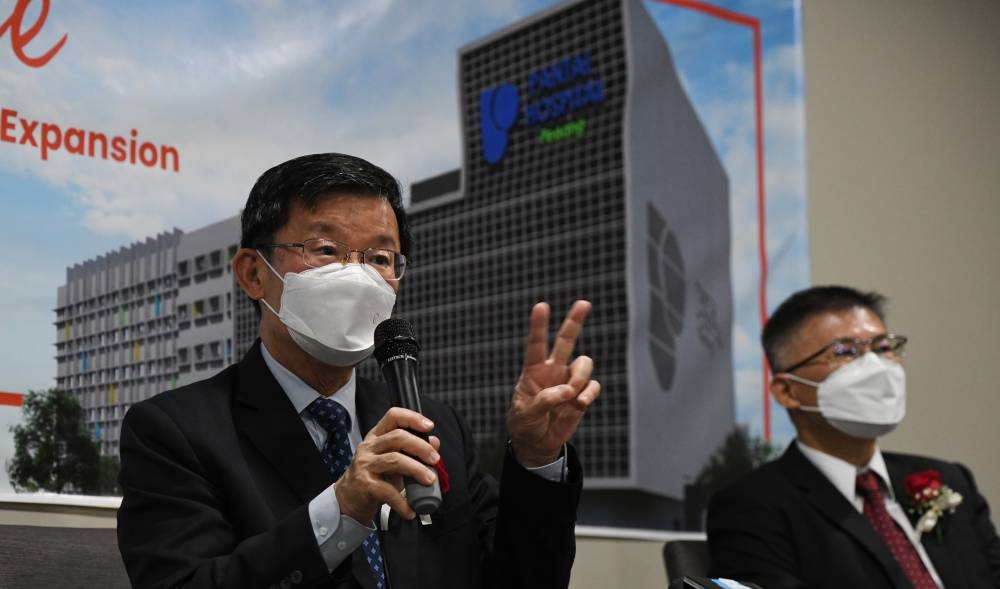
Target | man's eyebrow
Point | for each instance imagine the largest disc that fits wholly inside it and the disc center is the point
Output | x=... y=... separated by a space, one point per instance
x=384 y=240
x=323 y=229
x=332 y=231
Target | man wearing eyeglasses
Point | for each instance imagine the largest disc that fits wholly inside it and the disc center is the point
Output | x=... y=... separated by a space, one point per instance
x=286 y=469
x=834 y=510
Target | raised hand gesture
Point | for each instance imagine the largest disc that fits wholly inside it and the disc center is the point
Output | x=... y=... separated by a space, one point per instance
x=552 y=393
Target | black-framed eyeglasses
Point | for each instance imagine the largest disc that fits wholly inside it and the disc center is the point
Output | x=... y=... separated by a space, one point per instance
x=319 y=252
x=845 y=349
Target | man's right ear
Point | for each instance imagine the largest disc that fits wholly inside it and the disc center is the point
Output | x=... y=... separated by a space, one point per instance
x=248 y=268
x=781 y=390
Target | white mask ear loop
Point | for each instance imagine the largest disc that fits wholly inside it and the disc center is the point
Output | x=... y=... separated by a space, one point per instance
x=808 y=383
x=799 y=379
x=275 y=272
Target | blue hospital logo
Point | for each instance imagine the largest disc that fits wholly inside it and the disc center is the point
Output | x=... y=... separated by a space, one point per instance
x=498 y=108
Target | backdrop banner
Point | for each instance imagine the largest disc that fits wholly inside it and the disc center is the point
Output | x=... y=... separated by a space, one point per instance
x=646 y=154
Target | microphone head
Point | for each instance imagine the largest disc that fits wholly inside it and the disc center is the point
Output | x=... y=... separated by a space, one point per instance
x=394 y=337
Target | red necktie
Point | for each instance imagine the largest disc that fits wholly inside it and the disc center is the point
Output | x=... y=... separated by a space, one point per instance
x=899 y=545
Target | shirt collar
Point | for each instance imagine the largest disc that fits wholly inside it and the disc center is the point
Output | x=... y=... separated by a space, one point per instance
x=301 y=394
x=843 y=474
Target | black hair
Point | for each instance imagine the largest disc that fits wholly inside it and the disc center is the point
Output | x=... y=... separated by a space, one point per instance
x=308 y=179
x=796 y=309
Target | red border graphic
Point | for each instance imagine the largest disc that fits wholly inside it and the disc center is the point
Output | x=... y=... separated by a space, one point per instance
x=12 y=399
x=754 y=24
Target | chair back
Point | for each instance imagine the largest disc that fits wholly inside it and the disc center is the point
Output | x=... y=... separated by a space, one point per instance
x=39 y=556
x=685 y=558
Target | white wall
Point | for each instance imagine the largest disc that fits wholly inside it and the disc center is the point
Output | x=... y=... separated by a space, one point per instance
x=603 y=563
x=903 y=137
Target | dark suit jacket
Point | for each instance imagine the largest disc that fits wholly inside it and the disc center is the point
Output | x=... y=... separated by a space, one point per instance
x=217 y=477
x=785 y=525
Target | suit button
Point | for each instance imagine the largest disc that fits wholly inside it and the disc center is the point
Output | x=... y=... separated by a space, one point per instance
x=341 y=545
x=296 y=577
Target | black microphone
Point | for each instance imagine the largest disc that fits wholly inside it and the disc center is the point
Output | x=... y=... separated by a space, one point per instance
x=396 y=351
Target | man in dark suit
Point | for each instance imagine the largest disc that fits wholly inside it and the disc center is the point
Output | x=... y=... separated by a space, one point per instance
x=835 y=511
x=286 y=469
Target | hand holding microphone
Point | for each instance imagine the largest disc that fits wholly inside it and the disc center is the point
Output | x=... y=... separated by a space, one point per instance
x=396 y=350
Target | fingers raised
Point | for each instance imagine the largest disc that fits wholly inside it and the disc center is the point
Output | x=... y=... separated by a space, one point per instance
x=537 y=349
x=569 y=331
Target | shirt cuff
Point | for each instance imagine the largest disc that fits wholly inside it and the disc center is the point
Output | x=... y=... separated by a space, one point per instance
x=337 y=535
x=550 y=472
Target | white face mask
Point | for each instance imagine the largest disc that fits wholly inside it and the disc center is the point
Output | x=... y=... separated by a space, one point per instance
x=331 y=312
x=865 y=398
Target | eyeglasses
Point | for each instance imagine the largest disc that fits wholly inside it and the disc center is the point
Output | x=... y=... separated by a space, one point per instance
x=320 y=252
x=845 y=349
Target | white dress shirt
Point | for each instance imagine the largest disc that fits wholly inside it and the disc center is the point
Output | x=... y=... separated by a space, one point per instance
x=336 y=534
x=843 y=476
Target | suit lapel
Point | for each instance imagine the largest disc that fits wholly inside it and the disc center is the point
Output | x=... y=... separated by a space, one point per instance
x=938 y=550
x=265 y=415
x=819 y=492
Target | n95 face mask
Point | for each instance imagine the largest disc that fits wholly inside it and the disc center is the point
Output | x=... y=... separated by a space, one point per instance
x=331 y=312
x=865 y=398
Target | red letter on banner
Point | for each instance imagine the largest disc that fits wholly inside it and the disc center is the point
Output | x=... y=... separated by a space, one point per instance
x=7 y=117
x=19 y=39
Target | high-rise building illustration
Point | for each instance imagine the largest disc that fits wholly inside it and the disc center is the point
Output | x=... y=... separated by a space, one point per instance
x=116 y=331
x=147 y=318
x=586 y=174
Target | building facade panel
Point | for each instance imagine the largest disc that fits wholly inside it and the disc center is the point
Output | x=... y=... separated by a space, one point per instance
x=545 y=222
x=206 y=290
x=680 y=297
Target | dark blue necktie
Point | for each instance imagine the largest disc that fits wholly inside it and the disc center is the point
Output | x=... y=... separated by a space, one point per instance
x=337 y=455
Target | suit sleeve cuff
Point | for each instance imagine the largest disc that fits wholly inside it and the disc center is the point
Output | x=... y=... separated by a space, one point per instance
x=550 y=499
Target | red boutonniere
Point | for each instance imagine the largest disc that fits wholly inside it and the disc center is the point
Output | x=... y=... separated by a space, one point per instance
x=929 y=499
x=442 y=475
